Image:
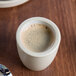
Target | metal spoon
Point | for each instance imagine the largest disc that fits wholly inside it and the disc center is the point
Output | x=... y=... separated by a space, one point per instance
x=4 y=71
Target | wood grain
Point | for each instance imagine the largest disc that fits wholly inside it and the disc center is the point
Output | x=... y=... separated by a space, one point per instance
x=63 y=13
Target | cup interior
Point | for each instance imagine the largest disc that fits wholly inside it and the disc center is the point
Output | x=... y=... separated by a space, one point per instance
x=49 y=42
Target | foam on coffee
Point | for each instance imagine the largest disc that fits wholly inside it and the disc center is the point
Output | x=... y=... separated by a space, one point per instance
x=37 y=37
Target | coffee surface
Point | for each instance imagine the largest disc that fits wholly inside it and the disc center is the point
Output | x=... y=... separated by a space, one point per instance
x=37 y=37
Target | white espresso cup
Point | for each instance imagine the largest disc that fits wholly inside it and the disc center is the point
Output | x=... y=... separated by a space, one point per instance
x=38 y=61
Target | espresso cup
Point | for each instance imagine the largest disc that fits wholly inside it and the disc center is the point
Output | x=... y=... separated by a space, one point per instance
x=38 y=61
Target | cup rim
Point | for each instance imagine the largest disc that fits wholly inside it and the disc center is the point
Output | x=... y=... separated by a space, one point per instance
x=46 y=52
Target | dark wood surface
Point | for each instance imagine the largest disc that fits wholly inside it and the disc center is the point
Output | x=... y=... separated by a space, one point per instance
x=63 y=13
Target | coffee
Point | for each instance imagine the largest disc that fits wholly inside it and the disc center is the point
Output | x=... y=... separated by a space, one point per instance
x=37 y=37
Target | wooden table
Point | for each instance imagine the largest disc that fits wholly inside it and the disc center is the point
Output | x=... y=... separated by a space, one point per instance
x=63 y=13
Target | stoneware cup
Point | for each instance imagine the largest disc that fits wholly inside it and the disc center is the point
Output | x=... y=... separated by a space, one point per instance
x=38 y=61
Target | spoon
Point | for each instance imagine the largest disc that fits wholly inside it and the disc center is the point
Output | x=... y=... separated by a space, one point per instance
x=4 y=71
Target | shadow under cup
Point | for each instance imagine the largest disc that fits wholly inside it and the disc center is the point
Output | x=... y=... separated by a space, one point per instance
x=38 y=61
